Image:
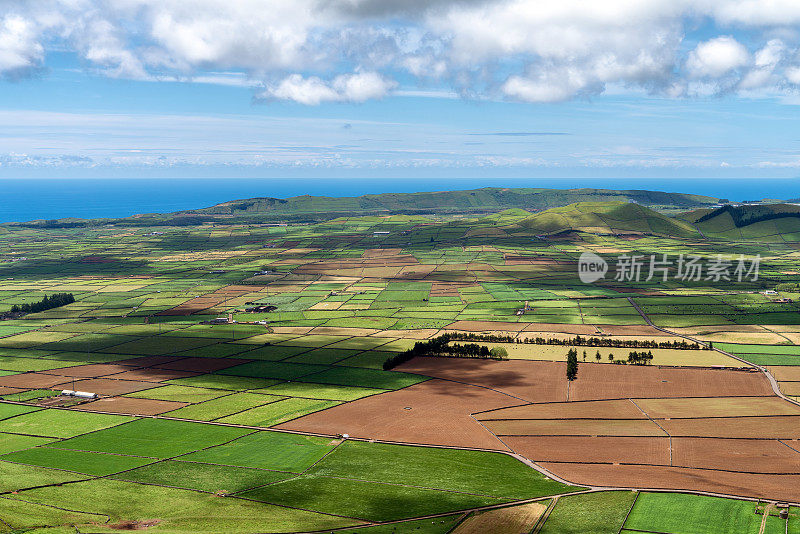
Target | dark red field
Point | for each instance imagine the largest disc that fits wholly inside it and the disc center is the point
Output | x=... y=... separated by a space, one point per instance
x=626 y=426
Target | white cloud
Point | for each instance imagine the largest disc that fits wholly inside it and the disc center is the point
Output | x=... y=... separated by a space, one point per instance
x=528 y=50
x=357 y=87
x=20 y=50
x=793 y=75
x=717 y=57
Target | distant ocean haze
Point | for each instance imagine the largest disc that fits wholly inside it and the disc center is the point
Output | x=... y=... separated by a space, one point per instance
x=29 y=199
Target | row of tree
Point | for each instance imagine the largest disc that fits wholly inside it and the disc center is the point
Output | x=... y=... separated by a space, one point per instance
x=440 y=346
x=580 y=341
x=47 y=303
x=746 y=215
x=640 y=358
x=572 y=364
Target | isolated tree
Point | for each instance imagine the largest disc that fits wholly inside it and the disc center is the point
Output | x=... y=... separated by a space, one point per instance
x=584 y=355
x=499 y=353
x=597 y=356
x=611 y=357
x=572 y=365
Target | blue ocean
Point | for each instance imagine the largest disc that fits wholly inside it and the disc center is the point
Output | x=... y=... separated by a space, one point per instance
x=28 y=199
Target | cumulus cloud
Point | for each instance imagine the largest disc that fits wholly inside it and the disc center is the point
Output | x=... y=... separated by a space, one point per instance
x=717 y=57
x=357 y=87
x=20 y=51
x=527 y=50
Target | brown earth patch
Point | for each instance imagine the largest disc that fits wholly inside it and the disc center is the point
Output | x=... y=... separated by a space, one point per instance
x=635 y=330
x=132 y=406
x=599 y=381
x=770 y=427
x=109 y=386
x=582 y=329
x=612 y=409
x=200 y=365
x=785 y=373
x=573 y=427
x=771 y=486
x=596 y=449
x=31 y=381
x=434 y=412
x=91 y=370
x=530 y=381
x=485 y=326
x=751 y=456
x=148 y=361
x=716 y=407
x=4 y=390
x=539 y=381
x=154 y=375
x=790 y=388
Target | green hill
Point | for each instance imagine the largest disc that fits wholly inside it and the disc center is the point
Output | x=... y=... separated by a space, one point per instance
x=485 y=199
x=769 y=222
x=606 y=218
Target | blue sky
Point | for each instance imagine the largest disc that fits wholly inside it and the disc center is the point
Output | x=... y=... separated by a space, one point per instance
x=362 y=88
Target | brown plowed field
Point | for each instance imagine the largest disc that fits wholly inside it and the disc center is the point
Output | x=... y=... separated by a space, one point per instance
x=4 y=390
x=90 y=371
x=613 y=409
x=438 y=415
x=753 y=456
x=717 y=407
x=132 y=406
x=599 y=381
x=109 y=386
x=154 y=375
x=201 y=365
x=147 y=361
x=785 y=373
x=31 y=381
x=601 y=449
x=544 y=381
x=790 y=388
x=531 y=381
x=574 y=427
x=592 y=439
x=775 y=427
x=771 y=486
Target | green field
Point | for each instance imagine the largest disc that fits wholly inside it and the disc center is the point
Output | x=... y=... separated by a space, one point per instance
x=593 y=513
x=154 y=438
x=689 y=514
x=342 y=299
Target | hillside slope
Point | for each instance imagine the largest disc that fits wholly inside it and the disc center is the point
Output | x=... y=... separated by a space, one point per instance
x=772 y=222
x=606 y=218
x=485 y=199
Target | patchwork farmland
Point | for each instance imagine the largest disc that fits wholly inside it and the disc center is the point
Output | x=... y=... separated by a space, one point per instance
x=234 y=378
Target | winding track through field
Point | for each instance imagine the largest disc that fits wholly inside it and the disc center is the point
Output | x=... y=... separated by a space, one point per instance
x=529 y=463
x=772 y=382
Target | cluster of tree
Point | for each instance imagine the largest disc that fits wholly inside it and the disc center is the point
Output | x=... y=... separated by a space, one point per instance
x=440 y=346
x=53 y=223
x=580 y=341
x=47 y=303
x=745 y=215
x=572 y=364
x=640 y=358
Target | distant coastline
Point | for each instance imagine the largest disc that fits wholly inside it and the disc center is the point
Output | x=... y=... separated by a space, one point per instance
x=28 y=199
